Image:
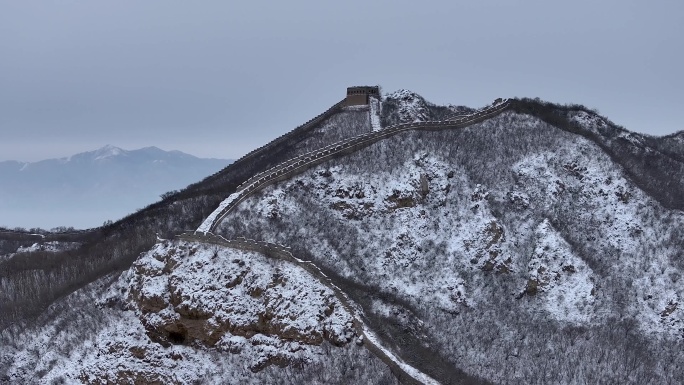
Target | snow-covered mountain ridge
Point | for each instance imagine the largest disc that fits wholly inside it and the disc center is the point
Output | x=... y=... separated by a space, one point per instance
x=478 y=255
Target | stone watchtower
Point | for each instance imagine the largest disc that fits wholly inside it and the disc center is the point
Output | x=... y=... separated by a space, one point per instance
x=357 y=96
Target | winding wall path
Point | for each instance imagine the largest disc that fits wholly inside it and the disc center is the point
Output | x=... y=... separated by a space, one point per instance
x=299 y=164
x=404 y=372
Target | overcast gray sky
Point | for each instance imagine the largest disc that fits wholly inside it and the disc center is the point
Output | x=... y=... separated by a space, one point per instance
x=219 y=78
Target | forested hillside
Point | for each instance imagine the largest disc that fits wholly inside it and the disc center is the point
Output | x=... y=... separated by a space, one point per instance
x=31 y=281
x=541 y=244
x=509 y=242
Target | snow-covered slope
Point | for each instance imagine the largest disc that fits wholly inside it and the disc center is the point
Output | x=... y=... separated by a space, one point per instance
x=236 y=301
x=510 y=251
x=505 y=225
x=187 y=313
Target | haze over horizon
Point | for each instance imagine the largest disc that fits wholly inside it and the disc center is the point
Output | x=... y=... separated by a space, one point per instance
x=110 y=146
x=85 y=189
x=219 y=80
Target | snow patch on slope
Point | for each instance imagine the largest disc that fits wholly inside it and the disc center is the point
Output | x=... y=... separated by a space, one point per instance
x=108 y=151
x=563 y=279
x=52 y=246
x=591 y=122
x=411 y=371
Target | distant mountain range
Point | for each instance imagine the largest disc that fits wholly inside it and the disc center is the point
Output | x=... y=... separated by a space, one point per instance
x=86 y=189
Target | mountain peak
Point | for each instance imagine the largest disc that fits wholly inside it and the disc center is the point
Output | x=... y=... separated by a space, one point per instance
x=108 y=151
x=411 y=106
x=152 y=148
x=404 y=94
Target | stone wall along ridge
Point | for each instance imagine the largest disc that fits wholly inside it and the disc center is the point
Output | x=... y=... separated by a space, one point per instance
x=306 y=161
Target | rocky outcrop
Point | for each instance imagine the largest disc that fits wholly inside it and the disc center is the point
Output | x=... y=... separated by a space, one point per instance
x=234 y=300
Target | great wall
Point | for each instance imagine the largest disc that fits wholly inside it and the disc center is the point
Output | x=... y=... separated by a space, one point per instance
x=306 y=161
x=295 y=166
x=299 y=164
x=405 y=373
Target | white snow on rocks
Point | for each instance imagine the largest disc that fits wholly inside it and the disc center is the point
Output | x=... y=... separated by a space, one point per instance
x=276 y=307
x=627 y=231
x=591 y=122
x=393 y=228
x=413 y=107
x=108 y=339
x=52 y=246
x=563 y=280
